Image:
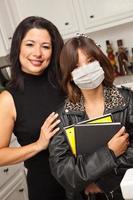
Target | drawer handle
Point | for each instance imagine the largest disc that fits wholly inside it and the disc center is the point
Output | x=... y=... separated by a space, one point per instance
x=21 y=190
x=6 y=170
x=66 y=23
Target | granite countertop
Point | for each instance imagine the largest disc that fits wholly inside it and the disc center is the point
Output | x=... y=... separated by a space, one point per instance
x=126 y=81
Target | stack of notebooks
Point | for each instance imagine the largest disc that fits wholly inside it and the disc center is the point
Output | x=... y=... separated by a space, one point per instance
x=88 y=136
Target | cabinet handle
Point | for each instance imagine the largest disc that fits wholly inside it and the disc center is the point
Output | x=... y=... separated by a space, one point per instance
x=21 y=190
x=66 y=23
x=92 y=16
x=6 y=170
x=9 y=38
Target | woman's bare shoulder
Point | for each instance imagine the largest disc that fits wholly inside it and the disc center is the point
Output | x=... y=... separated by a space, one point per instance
x=7 y=103
x=6 y=97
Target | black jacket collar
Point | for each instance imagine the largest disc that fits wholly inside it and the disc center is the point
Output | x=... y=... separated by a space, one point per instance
x=114 y=100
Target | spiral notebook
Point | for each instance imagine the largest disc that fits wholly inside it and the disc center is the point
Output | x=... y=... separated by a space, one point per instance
x=70 y=130
x=90 y=137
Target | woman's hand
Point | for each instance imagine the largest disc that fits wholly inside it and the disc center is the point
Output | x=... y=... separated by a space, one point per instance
x=119 y=142
x=48 y=129
x=92 y=188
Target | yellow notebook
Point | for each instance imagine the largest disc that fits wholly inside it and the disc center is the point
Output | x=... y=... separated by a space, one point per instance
x=71 y=134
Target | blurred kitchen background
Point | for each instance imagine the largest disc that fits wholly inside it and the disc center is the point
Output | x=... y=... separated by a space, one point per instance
x=109 y=23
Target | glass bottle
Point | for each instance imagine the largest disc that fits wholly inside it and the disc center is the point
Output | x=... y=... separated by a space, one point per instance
x=122 y=58
x=111 y=57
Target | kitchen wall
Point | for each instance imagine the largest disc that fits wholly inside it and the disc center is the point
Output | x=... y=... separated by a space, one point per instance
x=124 y=32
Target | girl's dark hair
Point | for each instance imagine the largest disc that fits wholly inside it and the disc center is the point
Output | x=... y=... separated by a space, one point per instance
x=20 y=32
x=69 y=60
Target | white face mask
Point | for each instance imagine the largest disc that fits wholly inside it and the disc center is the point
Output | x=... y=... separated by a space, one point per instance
x=89 y=76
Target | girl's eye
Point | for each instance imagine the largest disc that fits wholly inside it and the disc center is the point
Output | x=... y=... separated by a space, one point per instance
x=76 y=66
x=90 y=60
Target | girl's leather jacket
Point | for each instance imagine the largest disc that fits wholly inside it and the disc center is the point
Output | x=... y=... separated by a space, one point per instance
x=101 y=167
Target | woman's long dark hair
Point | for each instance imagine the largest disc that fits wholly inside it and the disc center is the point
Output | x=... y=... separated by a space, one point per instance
x=20 y=32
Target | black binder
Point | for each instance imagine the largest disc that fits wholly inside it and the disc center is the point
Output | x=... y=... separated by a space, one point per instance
x=90 y=137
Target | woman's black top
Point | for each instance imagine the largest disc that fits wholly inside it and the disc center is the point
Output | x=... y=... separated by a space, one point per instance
x=33 y=105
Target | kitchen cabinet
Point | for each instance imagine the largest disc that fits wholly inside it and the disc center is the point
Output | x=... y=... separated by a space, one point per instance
x=13 y=183
x=2 y=45
x=70 y=16
x=7 y=23
x=98 y=15
x=15 y=189
x=60 y=12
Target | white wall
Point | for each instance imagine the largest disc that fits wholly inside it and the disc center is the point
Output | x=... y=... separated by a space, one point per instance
x=124 y=32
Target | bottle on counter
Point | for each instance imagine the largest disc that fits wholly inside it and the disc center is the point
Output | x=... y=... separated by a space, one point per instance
x=122 y=58
x=131 y=61
x=132 y=55
x=111 y=57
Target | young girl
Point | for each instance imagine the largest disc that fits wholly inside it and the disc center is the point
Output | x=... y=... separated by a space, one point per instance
x=88 y=80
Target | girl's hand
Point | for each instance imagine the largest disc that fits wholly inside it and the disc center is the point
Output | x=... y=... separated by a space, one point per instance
x=48 y=129
x=119 y=142
x=92 y=188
